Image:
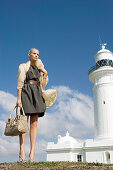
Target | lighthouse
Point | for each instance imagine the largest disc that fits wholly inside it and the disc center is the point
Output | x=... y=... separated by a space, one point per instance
x=101 y=75
x=100 y=148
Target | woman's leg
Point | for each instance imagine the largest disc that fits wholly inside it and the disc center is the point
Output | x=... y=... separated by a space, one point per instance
x=33 y=134
x=22 y=142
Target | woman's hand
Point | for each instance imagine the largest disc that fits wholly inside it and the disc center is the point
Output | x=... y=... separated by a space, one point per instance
x=19 y=102
x=44 y=80
x=45 y=75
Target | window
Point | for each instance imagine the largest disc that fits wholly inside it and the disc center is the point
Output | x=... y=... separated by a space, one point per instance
x=79 y=158
x=104 y=102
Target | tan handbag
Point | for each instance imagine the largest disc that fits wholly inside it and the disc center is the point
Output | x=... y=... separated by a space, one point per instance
x=18 y=125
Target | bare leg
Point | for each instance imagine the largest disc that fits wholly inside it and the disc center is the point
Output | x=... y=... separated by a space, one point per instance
x=22 y=142
x=33 y=134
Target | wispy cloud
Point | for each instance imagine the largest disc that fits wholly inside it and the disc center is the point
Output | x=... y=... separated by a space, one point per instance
x=7 y=101
x=72 y=111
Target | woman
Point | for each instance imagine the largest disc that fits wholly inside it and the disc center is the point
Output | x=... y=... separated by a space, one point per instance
x=32 y=78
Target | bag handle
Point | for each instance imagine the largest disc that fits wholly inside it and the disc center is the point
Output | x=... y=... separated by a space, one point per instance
x=20 y=107
x=14 y=109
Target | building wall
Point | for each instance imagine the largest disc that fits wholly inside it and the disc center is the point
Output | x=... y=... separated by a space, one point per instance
x=88 y=155
x=101 y=156
x=59 y=156
x=103 y=107
x=65 y=156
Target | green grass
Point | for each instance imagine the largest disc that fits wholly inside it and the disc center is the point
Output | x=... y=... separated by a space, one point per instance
x=53 y=164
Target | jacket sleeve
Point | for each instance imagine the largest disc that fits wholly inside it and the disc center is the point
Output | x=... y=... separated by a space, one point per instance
x=40 y=64
x=20 y=76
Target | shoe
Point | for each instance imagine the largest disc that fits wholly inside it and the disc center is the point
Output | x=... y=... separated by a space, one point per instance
x=22 y=160
x=30 y=159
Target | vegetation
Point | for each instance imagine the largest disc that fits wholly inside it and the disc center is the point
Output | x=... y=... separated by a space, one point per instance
x=54 y=165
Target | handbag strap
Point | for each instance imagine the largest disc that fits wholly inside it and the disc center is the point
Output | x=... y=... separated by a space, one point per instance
x=14 y=109
x=22 y=110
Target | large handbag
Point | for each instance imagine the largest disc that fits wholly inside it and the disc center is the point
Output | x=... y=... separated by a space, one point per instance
x=18 y=125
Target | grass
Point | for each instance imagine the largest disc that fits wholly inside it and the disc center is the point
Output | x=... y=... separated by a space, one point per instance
x=54 y=164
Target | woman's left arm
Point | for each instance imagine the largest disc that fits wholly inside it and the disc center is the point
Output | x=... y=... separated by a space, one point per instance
x=44 y=76
x=44 y=71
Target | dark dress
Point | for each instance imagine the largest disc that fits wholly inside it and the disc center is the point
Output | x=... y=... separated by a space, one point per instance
x=32 y=100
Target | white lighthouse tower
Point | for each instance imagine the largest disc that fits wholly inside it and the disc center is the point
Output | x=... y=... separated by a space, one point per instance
x=100 y=148
x=102 y=77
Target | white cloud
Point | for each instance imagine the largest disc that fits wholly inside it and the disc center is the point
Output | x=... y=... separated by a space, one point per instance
x=9 y=148
x=2 y=127
x=72 y=111
x=7 y=101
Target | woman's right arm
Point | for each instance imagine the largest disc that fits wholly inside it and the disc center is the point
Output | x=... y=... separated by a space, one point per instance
x=19 y=102
x=20 y=83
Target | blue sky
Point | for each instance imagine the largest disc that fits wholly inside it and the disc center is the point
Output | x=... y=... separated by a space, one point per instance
x=66 y=32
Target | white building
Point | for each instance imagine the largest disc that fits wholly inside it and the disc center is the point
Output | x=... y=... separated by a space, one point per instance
x=99 y=149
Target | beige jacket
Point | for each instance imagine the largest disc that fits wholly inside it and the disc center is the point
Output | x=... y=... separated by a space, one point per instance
x=23 y=68
x=49 y=95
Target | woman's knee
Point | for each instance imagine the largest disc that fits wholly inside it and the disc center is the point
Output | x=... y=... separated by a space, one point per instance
x=33 y=120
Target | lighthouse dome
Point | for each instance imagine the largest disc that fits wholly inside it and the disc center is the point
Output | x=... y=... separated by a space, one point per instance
x=66 y=139
x=103 y=54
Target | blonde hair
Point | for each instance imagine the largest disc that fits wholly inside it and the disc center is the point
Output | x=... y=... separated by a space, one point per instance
x=32 y=50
